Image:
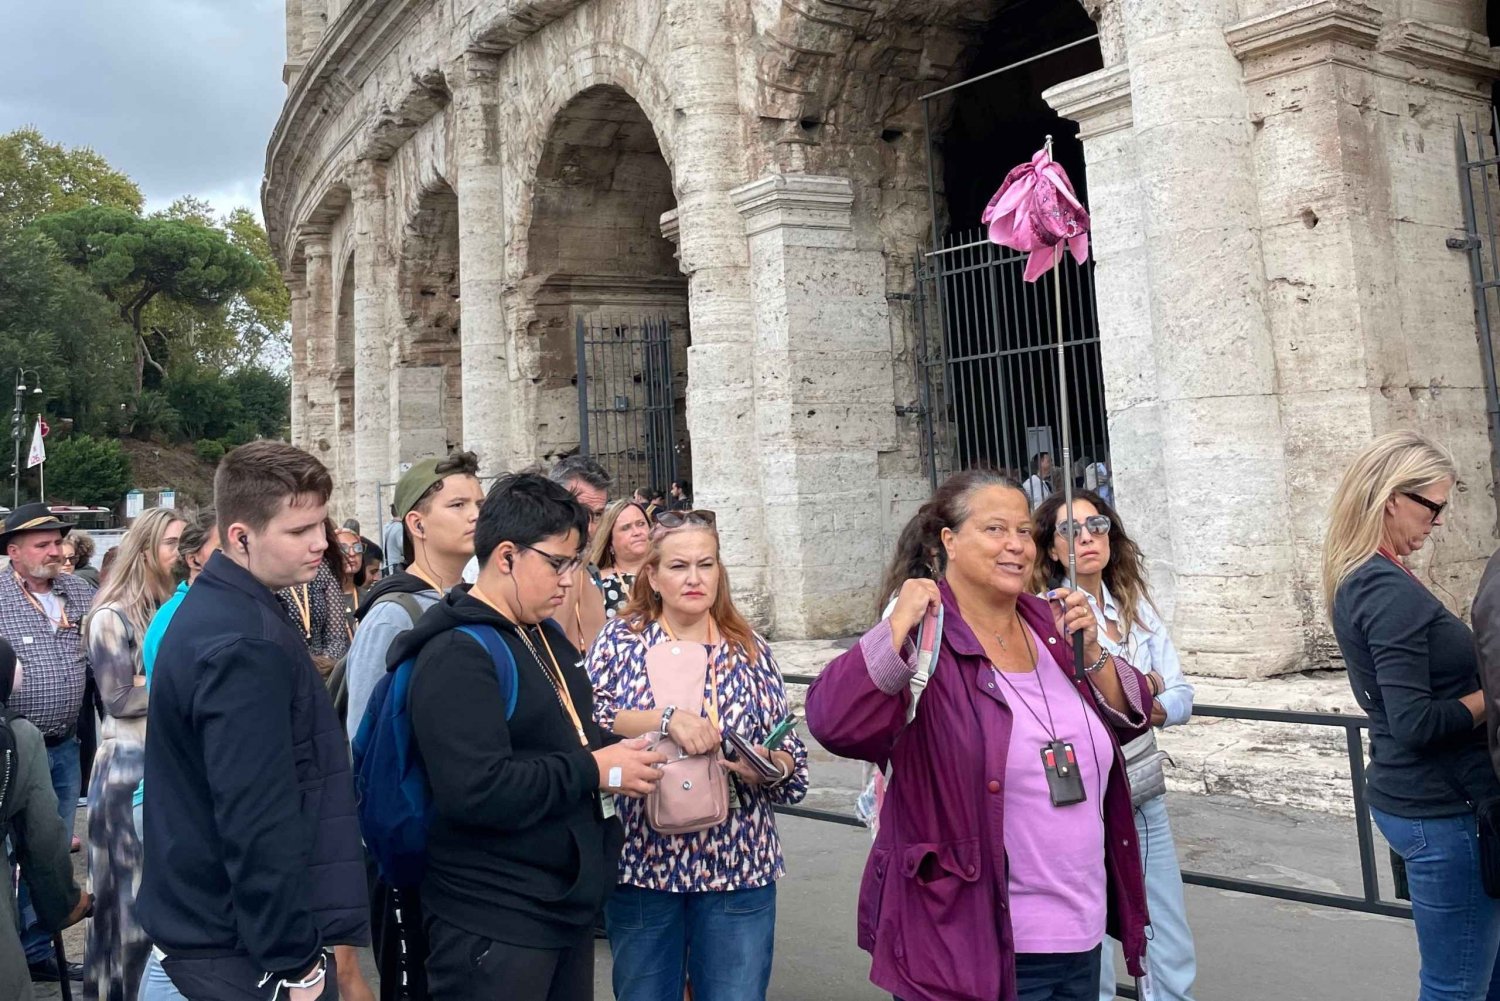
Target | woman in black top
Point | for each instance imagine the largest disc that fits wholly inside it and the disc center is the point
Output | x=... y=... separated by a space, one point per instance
x=1412 y=666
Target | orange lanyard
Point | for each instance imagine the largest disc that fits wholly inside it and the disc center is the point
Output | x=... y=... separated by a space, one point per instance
x=304 y=607
x=711 y=697
x=61 y=622
x=554 y=674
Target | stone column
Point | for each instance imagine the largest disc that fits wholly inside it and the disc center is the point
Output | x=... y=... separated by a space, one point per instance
x=374 y=288
x=1371 y=316
x=314 y=23
x=297 y=289
x=320 y=414
x=823 y=398
x=708 y=150
x=481 y=258
x=1237 y=610
x=1100 y=104
x=296 y=59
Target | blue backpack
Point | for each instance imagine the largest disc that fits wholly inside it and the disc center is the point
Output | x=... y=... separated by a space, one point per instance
x=390 y=784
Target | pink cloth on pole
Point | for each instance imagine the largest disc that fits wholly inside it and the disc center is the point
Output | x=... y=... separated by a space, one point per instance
x=1036 y=211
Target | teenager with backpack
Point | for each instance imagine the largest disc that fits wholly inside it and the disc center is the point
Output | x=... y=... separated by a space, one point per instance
x=253 y=868
x=438 y=502
x=522 y=846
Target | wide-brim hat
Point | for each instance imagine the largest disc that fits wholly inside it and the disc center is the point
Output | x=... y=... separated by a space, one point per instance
x=33 y=517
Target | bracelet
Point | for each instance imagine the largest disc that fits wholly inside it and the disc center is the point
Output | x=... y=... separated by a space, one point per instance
x=1098 y=665
x=666 y=718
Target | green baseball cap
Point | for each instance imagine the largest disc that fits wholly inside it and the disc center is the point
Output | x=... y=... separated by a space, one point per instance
x=414 y=483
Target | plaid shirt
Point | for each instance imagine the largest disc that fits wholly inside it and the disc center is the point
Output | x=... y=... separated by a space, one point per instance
x=52 y=662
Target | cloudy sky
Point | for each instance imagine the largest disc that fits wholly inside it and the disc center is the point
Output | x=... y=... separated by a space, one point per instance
x=179 y=94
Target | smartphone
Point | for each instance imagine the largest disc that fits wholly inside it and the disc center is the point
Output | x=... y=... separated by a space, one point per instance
x=780 y=731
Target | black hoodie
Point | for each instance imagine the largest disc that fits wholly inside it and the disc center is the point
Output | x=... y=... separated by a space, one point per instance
x=518 y=852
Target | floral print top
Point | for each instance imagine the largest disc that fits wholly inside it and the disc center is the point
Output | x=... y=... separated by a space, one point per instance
x=744 y=852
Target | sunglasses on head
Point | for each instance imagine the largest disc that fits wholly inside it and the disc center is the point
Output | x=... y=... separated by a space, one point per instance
x=1433 y=506
x=676 y=519
x=1095 y=524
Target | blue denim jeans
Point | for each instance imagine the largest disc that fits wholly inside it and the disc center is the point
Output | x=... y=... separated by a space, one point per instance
x=1458 y=926
x=1171 y=963
x=156 y=985
x=67 y=773
x=722 y=941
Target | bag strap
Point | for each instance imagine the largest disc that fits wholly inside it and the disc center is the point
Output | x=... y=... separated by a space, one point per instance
x=406 y=600
x=925 y=647
x=505 y=665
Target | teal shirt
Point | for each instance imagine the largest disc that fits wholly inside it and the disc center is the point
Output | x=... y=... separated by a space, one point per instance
x=152 y=643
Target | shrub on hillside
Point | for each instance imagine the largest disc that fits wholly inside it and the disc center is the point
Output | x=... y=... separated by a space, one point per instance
x=209 y=449
x=84 y=470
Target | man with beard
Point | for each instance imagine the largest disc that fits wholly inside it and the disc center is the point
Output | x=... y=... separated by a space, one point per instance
x=41 y=609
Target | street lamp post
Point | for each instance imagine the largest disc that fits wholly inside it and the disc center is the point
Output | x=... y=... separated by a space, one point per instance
x=17 y=429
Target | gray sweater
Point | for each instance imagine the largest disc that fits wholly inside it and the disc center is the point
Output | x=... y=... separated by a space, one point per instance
x=381 y=623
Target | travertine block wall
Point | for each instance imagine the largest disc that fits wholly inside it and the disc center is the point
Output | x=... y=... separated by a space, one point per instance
x=1271 y=186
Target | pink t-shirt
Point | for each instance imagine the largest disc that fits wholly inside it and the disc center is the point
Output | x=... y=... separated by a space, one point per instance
x=1056 y=853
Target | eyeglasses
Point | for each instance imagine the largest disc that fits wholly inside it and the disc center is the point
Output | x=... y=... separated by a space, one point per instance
x=1433 y=506
x=676 y=519
x=352 y=548
x=1095 y=524
x=561 y=565
x=70 y=559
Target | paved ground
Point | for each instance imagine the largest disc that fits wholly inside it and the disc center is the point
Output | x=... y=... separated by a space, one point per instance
x=1249 y=947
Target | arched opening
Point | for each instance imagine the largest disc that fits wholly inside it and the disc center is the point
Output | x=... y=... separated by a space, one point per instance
x=993 y=383
x=608 y=292
x=343 y=391
x=427 y=401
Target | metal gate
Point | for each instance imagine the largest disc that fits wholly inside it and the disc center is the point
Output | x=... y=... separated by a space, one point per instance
x=986 y=351
x=626 y=403
x=1479 y=186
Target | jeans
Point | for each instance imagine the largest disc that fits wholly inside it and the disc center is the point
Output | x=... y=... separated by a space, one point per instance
x=156 y=985
x=1458 y=926
x=722 y=941
x=67 y=773
x=1057 y=976
x=1171 y=964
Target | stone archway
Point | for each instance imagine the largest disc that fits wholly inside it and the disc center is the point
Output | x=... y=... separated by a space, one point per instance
x=427 y=375
x=596 y=252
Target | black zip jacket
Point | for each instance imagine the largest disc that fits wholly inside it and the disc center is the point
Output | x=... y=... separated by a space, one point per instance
x=252 y=843
x=519 y=852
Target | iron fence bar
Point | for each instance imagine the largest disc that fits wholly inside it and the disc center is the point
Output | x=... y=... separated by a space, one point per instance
x=583 y=389
x=1481 y=289
x=1368 y=876
x=923 y=373
x=1341 y=901
x=1007 y=68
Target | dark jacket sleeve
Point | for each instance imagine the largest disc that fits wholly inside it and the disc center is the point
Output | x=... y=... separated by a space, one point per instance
x=458 y=719
x=1486 y=618
x=41 y=838
x=243 y=710
x=1395 y=628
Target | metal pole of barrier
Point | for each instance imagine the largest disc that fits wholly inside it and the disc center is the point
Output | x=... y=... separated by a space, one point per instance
x=64 y=982
x=1368 y=874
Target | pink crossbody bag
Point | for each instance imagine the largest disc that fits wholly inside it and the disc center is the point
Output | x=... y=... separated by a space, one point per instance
x=693 y=794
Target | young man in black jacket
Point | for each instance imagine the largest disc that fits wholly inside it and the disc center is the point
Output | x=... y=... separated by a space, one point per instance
x=524 y=847
x=253 y=863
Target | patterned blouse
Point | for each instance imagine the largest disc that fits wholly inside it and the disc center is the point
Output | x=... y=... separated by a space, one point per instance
x=616 y=588
x=317 y=609
x=744 y=852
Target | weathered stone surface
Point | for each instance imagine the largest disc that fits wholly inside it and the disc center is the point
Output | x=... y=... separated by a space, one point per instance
x=452 y=185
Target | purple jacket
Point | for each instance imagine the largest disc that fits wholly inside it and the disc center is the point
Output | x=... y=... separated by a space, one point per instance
x=948 y=937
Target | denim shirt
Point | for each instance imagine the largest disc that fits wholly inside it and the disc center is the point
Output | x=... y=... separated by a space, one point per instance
x=1147 y=647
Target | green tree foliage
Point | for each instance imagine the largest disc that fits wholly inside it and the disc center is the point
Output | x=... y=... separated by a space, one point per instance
x=53 y=322
x=133 y=261
x=88 y=470
x=38 y=178
x=241 y=406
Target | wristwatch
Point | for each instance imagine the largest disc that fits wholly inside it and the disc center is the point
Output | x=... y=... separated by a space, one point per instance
x=666 y=718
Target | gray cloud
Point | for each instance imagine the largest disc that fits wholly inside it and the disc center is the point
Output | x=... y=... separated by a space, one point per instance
x=179 y=94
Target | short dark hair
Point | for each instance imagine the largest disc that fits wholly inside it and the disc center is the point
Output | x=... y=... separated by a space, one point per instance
x=525 y=508
x=456 y=464
x=253 y=480
x=194 y=535
x=581 y=467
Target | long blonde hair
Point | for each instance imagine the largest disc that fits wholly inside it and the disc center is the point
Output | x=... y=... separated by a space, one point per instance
x=602 y=545
x=137 y=583
x=1398 y=462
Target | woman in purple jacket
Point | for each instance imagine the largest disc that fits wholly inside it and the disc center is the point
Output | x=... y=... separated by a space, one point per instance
x=1006 y=848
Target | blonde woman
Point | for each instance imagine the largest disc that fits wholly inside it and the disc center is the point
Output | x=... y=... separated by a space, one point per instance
x=116 y=946
x=618 y=550
x=1413 y=669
